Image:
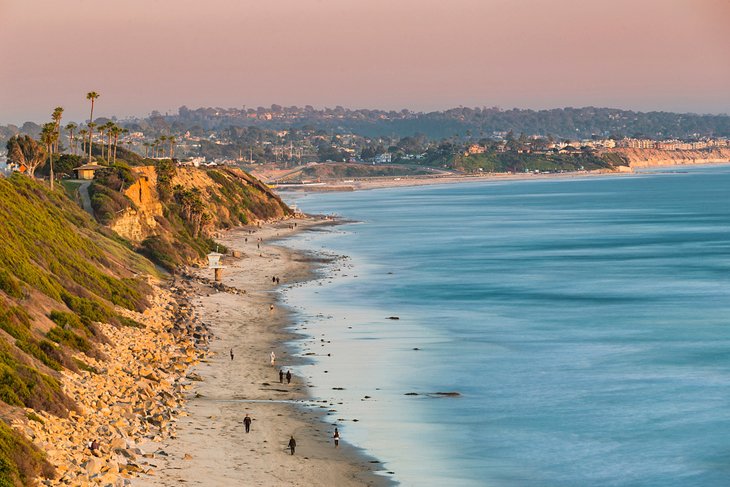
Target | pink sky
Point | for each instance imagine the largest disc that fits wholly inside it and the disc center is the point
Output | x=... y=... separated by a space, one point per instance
x=144 y=55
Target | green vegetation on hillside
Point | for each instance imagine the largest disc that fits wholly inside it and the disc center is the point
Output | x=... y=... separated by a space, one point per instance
x=20 y=462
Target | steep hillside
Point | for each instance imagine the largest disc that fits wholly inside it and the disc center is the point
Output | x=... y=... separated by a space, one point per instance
x=170 y=213
x=60 y=274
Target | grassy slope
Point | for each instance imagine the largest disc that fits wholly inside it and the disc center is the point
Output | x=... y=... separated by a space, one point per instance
x=61 y=272
x=54 y=257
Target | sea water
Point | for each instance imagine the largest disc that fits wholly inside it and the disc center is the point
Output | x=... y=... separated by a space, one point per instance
x=584 y=324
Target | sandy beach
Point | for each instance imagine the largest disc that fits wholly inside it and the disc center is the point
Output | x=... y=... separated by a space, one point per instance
x=404 y=181
x=211 y=446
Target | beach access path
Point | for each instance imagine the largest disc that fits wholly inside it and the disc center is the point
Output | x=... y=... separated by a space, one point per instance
x=212 y=447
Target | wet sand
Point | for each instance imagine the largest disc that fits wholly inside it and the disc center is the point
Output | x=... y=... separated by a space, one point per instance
x=212 y=447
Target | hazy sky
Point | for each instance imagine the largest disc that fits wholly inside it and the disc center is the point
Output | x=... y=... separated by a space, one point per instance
x=144 y=55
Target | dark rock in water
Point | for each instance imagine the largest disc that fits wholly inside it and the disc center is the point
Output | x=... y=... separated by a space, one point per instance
x=338 y=388
x=393 y=317
x=411 y=394
x=416 y=348
x=446 y=394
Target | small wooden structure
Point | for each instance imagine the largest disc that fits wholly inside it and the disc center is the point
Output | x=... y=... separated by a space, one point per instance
x=214 y=262
x=87 y=170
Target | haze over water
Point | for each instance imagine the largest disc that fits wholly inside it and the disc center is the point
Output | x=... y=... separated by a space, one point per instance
x=584 y=322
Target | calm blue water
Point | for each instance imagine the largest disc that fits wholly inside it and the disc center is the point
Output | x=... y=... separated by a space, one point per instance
x=585 y=323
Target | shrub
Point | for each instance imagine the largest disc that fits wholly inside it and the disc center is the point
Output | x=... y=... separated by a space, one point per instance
x=20 y=461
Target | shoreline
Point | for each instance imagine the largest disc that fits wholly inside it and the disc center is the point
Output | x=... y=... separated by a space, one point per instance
x=354 y=184
x=211 y=443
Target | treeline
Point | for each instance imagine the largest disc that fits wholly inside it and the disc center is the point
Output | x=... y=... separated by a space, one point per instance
x=463 y=122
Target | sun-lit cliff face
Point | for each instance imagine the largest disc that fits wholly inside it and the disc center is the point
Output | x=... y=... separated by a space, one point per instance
x=171 y=213
x=655 y=157
x=140 y=221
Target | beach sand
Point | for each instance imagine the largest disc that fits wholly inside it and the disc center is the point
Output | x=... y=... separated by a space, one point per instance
x=211 y=447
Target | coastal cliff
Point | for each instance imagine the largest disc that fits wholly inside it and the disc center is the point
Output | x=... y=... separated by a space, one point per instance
x=140 y=220
x=637 y=158
x=171 y=213
x=90 y=346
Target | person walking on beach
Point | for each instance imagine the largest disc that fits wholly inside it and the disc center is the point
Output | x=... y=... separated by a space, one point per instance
x=281 y=376
x=247 y=423
x=292 y=444
x=288 y=376
x=336 y=437
x=273 y=358
x=231 y=354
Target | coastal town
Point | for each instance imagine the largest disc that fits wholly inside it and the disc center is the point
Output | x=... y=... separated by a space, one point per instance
x=280 y=138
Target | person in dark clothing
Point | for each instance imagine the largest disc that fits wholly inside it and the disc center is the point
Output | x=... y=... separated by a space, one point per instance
x=292 y=444
x=273 y=279
x=288 y=376
x=281 y=376
x=247 y=423
x=277 y=280
x=231 y=354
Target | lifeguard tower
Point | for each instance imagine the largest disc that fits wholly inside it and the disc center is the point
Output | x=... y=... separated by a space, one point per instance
x=214 y=262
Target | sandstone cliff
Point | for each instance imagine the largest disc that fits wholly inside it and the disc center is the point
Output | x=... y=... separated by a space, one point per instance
x=655 y=157
x=140 y=221
x=222 y=197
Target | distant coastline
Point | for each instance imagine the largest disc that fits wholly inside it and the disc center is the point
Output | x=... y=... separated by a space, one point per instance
x=425 y=180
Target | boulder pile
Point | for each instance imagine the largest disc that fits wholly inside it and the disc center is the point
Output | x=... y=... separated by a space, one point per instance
x=131 y=398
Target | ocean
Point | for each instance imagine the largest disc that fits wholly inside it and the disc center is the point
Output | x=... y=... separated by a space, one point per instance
x=584 y=325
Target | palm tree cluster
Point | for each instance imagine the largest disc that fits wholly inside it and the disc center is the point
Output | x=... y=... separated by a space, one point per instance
x=31 y=154
x=158 y=146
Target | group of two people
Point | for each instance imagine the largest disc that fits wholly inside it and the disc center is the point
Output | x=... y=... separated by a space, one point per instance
x=281 y=376
x=292 y=442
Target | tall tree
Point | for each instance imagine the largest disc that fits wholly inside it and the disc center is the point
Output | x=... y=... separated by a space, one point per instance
x=171 y=140
x=49 y=137
x=110 y=126
x=56 y=116
x=82 y=136
x=102 y=129
x=70 y=127
x=92 y=95
x=91 y=126
x=26 y=151
x=160 y=142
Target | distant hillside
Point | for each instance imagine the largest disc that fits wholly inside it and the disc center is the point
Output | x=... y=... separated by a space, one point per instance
x=463 y=122
x=471 y=122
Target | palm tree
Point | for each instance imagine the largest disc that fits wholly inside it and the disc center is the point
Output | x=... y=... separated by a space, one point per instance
x=116 y=130
x=102 y=129
x=71 y=127
x=91 y=126
x=23 y=150
x=171 y=140
x=108 y=129
x=93 y=95
x=56 y=116
x=161 y=141
x=82 y=136
x=49 y=137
